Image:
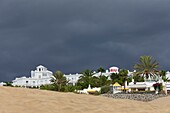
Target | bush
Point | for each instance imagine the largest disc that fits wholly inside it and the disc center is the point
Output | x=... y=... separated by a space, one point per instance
x=48 y=87
x=54 y=87
x=158 y=85
x=8 y=84
x=34 y=87
x=71 y=88
x=105 y=89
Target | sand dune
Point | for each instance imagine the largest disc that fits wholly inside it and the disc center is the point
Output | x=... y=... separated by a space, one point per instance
x=20 y=100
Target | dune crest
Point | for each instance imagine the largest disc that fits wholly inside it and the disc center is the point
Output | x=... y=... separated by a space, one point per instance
x=21 y=100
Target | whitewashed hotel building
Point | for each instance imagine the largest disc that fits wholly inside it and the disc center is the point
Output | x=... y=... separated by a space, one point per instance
x=40 y=76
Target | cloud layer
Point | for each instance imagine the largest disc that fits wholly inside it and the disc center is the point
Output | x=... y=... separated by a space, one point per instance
x=74 y=35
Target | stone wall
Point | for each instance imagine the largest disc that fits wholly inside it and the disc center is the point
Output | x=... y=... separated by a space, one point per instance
x=138 y=97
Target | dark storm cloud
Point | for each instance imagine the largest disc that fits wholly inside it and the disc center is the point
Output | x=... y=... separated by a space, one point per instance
x=73 y=35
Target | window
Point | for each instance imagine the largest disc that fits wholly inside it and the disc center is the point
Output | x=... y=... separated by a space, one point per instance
x=26 y=81
x=44 y=74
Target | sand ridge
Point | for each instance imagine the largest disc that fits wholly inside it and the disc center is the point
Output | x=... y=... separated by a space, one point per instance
x=22 y=100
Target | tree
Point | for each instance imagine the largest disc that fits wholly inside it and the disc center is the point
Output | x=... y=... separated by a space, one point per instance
x=103 y=81
x=116 y=78
x=86 y=79
x=121 y=77
x=147 y=66
x=59 y=80
x=101 y=70
x=138 y=78
x=124 y=75
x=163 y=75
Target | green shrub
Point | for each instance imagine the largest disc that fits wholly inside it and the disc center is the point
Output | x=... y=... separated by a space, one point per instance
x=34 y=87
x=159 y=86
x=54 y=87
x=105 y=89
x=8 y=84
x=71 y=88
x=48 y=87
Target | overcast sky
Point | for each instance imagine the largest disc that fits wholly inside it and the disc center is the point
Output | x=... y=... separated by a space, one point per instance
x=74 y=35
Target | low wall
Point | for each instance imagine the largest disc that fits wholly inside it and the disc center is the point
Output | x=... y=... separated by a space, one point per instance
x=138 y=97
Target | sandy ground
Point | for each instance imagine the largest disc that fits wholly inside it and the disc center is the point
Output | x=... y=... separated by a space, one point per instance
x=21 y=100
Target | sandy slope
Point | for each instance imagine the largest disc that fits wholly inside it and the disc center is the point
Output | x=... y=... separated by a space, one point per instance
x=20 y=100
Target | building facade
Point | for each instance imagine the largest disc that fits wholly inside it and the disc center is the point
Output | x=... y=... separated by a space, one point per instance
x=40 y=76
x=72 y=78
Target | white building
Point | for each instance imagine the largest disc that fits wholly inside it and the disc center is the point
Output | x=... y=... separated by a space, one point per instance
x=168 y=75
x=147 y=85
x=40 y=76
x=2 y=84
x=72 y=78
x=114 y=70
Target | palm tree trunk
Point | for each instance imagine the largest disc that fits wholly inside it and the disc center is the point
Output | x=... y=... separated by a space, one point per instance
x=124 y=87
x=59 y=87
x=100 y=73
x=125 y=82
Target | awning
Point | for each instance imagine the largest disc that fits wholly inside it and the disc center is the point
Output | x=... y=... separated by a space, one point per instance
x=116 y=84
x=123 y=88
x=137 y=86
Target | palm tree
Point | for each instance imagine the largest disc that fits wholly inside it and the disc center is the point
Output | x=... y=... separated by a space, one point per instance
x=116 y=78
x=101 y=70
x=163 y=75
x=123 y=73
x=147 y=66
x=86 y=78
x=138 y=78
x=59 y=79
x=103 y=81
